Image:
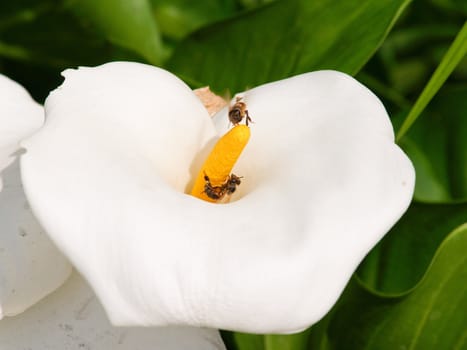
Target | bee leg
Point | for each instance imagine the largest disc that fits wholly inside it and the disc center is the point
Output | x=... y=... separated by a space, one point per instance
x=247 y=119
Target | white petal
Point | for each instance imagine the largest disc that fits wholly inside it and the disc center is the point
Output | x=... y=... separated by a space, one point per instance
x=30 y=265
x=323 y=181
x=72 y=318
x=20 y=116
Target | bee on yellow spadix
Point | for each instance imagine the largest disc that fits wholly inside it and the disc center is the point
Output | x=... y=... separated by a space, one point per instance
x=216 y=171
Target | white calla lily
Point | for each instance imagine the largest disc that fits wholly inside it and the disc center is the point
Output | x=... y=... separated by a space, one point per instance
x=322 y=182
x=30 y=265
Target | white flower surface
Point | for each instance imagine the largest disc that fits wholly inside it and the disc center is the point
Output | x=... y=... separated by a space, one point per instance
x=107 y=176
x=72 y=318
x=30 y=264
x=31 y=268
x=20 y=116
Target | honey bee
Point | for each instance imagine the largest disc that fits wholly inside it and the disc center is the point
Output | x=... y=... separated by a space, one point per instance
x=219 y=192
x=238 y=111
x=231 y=184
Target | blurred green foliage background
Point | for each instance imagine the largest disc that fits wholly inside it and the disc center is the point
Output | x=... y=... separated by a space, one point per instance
x=410 y=292
x=40 y=38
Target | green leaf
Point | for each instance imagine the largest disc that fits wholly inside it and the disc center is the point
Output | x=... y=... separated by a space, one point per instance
x=297 y=341
x=450 y=60
x=38 y=39
x=454 y=5
x=432 y=316
x=285 y=38
x=245 y=341
x=438 y=147
x=253 y=3
x=400 y=260
x=46 y=34
x=178 y=18
x=126 y=23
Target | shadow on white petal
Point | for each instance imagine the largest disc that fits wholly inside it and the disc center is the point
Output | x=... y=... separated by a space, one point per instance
x=72 y=318
x=20 y=116
x=30 y=265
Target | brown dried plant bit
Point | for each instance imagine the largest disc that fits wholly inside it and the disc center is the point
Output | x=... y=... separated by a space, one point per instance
x=213 y=103
x=238 y=112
